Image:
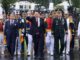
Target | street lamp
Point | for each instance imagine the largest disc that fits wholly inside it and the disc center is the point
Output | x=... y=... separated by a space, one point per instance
x=51 y=5
x=32 y=6
x=17 y=6
x=70 y=2
x=65 y=4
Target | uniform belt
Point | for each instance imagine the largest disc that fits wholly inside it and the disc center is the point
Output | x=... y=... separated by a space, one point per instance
x=27 y=28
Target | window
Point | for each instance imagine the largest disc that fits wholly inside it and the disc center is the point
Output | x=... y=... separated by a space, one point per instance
x=21 y=6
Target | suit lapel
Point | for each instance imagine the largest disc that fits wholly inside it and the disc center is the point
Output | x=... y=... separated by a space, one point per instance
x=9 y=23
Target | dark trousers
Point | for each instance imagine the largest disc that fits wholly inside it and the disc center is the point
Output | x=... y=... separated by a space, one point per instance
x=72 y=42
x=79 y=44
x=22 y=46
x=11 y=40
x=56 y=44
x=38 y=41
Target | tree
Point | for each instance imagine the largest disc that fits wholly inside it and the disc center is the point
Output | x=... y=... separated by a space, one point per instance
x=57 y=1
x=45 y=2
x=41 y=2
x=76 y=3
x=6 y=5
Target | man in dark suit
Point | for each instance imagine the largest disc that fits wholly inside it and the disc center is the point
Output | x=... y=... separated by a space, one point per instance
x=37 y=30
x=59 y=28
x=11 y=28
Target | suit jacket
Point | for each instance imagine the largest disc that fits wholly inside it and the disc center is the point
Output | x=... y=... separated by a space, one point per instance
x=11 y=29
x=34 y=28
x=59 y=27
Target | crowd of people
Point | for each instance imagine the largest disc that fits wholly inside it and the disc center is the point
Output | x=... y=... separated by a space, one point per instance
x=36 y=33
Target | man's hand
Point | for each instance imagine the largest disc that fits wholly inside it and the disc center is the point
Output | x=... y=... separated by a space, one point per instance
x=52 y=33
x=22 y=34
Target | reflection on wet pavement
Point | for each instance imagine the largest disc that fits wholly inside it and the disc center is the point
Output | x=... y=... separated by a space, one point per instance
x=72 y=56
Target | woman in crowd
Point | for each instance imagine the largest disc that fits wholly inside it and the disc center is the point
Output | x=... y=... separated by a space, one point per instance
x=1 y=35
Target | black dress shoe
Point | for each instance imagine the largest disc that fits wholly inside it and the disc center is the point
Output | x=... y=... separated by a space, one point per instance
x=35 y=56
x=61 y=54
x=56 y=56
x=79 y=49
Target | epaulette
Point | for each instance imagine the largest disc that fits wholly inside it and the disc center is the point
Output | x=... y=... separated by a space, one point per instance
x=72 y=30
x=71 y=20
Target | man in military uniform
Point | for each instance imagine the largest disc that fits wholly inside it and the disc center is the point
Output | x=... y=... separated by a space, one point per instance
x=59 y=28
x=28 y=34
x=72 y=27
x=23 y=32
x=18 y=41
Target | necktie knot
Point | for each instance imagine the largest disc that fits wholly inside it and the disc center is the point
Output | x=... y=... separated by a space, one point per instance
x=11 y=21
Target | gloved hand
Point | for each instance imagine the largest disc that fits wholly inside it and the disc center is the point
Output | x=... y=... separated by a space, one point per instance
x=66 y=32
x=23 y=30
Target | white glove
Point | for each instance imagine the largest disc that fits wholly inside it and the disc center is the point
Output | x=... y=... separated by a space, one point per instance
x=23 y=30
x=26 y=34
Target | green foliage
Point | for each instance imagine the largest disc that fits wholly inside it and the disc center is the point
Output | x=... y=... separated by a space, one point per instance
x=45 y=2
x=57 y=1
x=41 y=2
x=76 y=3
x=6 y=4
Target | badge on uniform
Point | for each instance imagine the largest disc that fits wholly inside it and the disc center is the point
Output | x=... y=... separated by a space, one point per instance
x=63 y=21
x=15 y=24
x=56 y=22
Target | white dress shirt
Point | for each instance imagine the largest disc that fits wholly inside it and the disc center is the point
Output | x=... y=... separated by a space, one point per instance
x=78 y=32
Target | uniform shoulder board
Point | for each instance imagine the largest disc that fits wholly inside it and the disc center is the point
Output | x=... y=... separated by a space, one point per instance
x=70 y=20
x=63 y=20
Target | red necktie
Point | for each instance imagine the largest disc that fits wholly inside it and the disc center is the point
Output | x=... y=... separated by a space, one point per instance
x=37 y=26
x=37 y=21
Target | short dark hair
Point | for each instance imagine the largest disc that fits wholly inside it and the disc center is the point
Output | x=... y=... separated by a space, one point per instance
x=58 y=9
